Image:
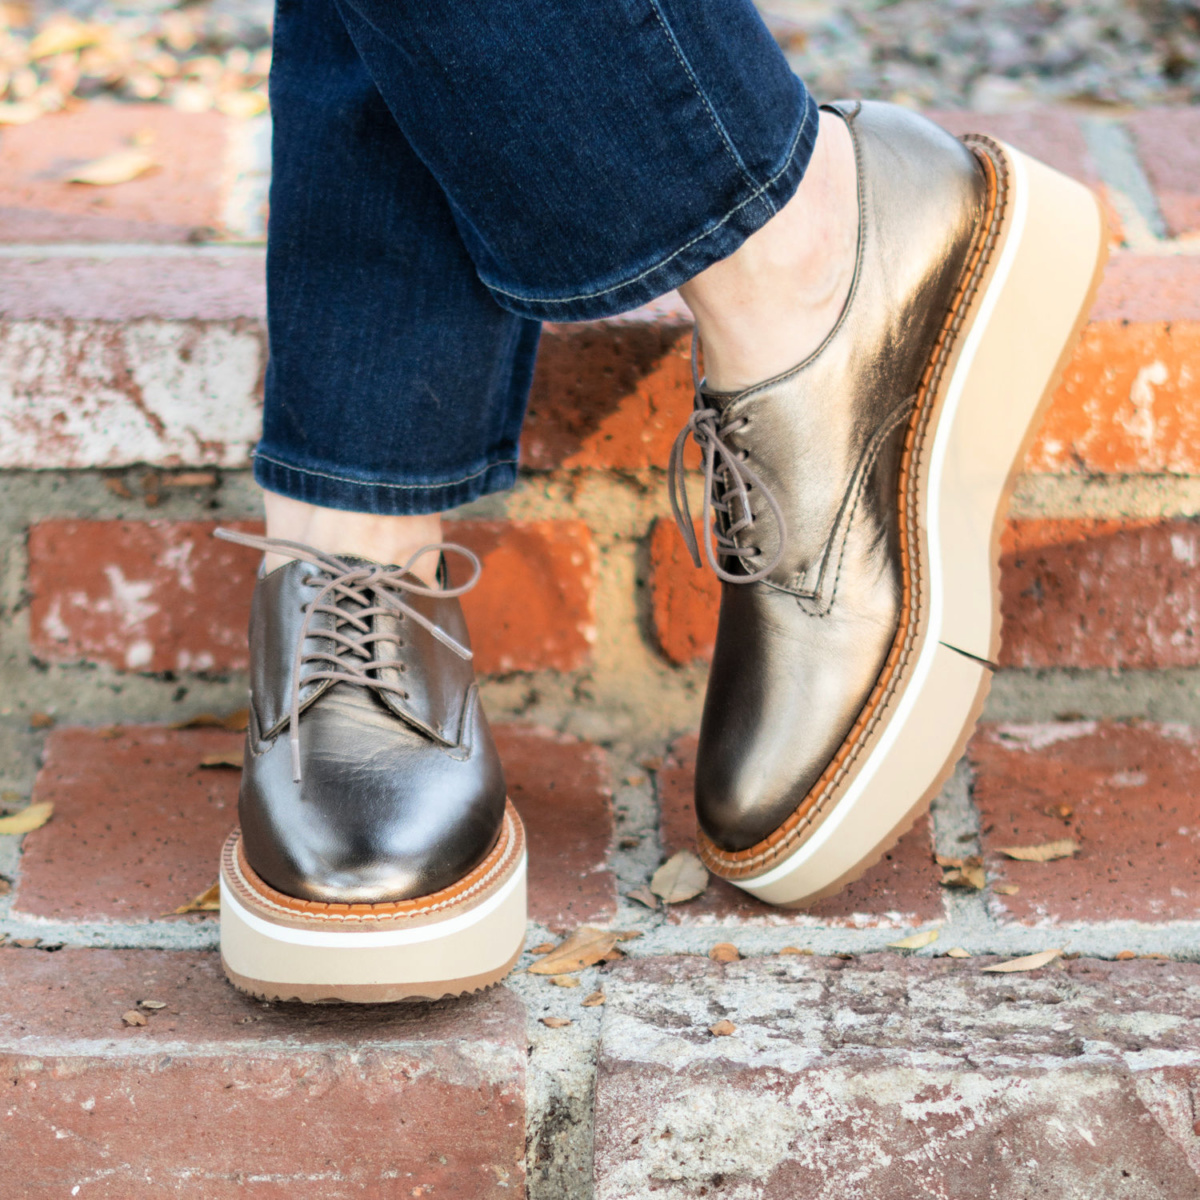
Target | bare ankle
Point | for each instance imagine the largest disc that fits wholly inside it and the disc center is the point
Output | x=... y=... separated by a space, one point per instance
x=382 y=539
x=773 y=301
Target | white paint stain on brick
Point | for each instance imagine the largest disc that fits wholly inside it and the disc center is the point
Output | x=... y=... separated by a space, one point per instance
x=1141 y=424
x=1183 y=548
x=97 y=394
x=1041 y=735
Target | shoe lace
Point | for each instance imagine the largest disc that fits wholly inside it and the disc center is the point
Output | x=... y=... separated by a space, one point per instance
x=728 y=481
x=352 y=595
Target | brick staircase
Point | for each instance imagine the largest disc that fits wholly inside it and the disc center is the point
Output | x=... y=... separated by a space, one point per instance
x=131 y=355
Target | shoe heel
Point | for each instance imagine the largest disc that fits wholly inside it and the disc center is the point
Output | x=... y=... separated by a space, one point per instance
x=458 y=941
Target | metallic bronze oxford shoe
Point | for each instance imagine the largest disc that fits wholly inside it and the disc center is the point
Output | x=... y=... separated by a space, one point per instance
x=858 y=500
x=377 y=857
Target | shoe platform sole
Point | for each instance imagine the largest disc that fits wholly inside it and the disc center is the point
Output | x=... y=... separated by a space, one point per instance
x=1036 y=274
x=462 y=939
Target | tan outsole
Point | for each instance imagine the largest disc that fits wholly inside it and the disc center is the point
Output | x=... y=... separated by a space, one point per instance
x=968 y=637
x=462 y=939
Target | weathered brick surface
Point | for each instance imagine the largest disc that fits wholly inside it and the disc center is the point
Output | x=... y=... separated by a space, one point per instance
x=886 y=1078
x=1129 y=403
x=219 y=1096
x=1075 y=593
x=178 y=201
x=902 y=888
x=167 y=596
x=138 y=824
x=1127 y=793
x=562 y=790
x=1168 y=144
x=137 y=827
x=1089 y=593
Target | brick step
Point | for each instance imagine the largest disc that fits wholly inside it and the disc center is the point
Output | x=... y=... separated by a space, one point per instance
x=155 y=596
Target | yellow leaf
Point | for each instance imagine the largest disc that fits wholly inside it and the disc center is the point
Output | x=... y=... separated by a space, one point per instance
x=1005 y=889
x=584 y=948
x=119 y=167
x=133 y=1017
x=209 y=900
x=964 y=877
x=28 y=819
x=1046 y=852
x=20 y=113
x=235 y=722
x=682 y=877
x=556 y=1022
x=1030 y=962
x=64 y=34
x=594 y=1000
x=925 y=938
x=242 y=105
x=566 y=981
x=958 y=952
x=232 y=758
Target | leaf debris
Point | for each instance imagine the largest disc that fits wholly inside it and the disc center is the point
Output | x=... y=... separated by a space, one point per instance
x=224 y=758
x=723 y=1028
x=585 y=947
x=593 y=1000
x=564 y=981
x=1045 y=852
x=725 y=952
x=26 y=820
x=133 y=1017
x=643 y=895
x=1005 y=889
x=916 y=941
x=235 y=721
x=556 y=1022
x=682 y=877
x=209 y=900
x=957 y=952
x=1028 y=962
x=119 y=167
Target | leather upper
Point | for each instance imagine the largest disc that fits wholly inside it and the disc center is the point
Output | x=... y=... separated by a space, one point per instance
x=401 y=792
x=797 y=654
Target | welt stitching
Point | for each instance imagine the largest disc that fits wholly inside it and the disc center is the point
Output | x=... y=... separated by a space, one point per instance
x=809 y=108
x=722 y=133
x=408 y=487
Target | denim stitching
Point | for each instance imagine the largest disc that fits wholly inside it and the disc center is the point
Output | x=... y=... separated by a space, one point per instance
x=722 y=133
x=675 y=254
x=408 y=487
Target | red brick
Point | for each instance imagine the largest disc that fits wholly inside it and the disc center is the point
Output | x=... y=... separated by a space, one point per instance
x=166 y=596
x=218 y=1096
x=534 y=608
x=176 y=202
x=902 y=888
x=138 y=824
x=1132 y=790
x=1129 y=402
x=1090 y=593
x=140 y=595
x=610 y=394
x=1140 y=288
x=137 y=827
x=1168 y=142
x=561 y=788
x=684 y=599
x=892 y=1078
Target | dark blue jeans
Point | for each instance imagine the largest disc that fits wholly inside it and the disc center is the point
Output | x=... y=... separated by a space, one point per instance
x=450 y=173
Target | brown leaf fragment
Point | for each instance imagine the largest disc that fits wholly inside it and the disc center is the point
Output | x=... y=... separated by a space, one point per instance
x=223 y=758
x=682 y=877
x=643 y=895
x=964 y=877
x=957 y=952
x=796 y=950
x=1045 y=852
x=916 y=941
x=118 y=487
x=556 y=1022
x=1064 y=812
x=152 y=1005
x=5 y=886
x=725 y=952
x=652 y=762
x=26 y=820
x=235 y=722
x=1028 y=962
x=629 y=843
x=634 y=779
x=190 y=479
x=628 y=935
x=41 y=720
x=133 y=1017
x=723 y=1028
x=209 y=900
x=583 y=948
x=1125 y=955
x=542 y=948
x=564 y=981
x=593 y=1000
x=27 y=943
x=1005 y=889
x=119 y=167
x=613 y=955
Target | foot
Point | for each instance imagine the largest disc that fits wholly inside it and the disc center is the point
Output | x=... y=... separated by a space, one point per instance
x=856 y=499
x=377 y=857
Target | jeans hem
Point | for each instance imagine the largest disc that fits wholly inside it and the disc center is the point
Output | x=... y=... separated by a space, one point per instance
x=730 y=230
x=328 y=487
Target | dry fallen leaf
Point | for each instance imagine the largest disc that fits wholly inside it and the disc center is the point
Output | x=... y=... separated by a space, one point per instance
x=925 y=938
x=235 y=722
x=1125 y=955
x=724 y=952
x=20 y=113
x=594 y=1000
x=1030 y=962
x=643 y=895
x=584 y=948
x=796 y=950
x=567 y=981
x=242 y=105
x=152 y=1005
x=119 y=167
x=958 y=952
x=556 y=1022
x=133 y=1017
x=5 y=886
x=722 y=1028
x=629 y=843
x=209 y=900
x=964 y=877
x=1064 y=812
x=41 y=720
x=27 y=819
x=64 y=34
x=190 y=479
x=542 y=948
x=1005 y=889
x=27 y=943
x=223 y=758
x=682 y=877
x=1046 y=852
